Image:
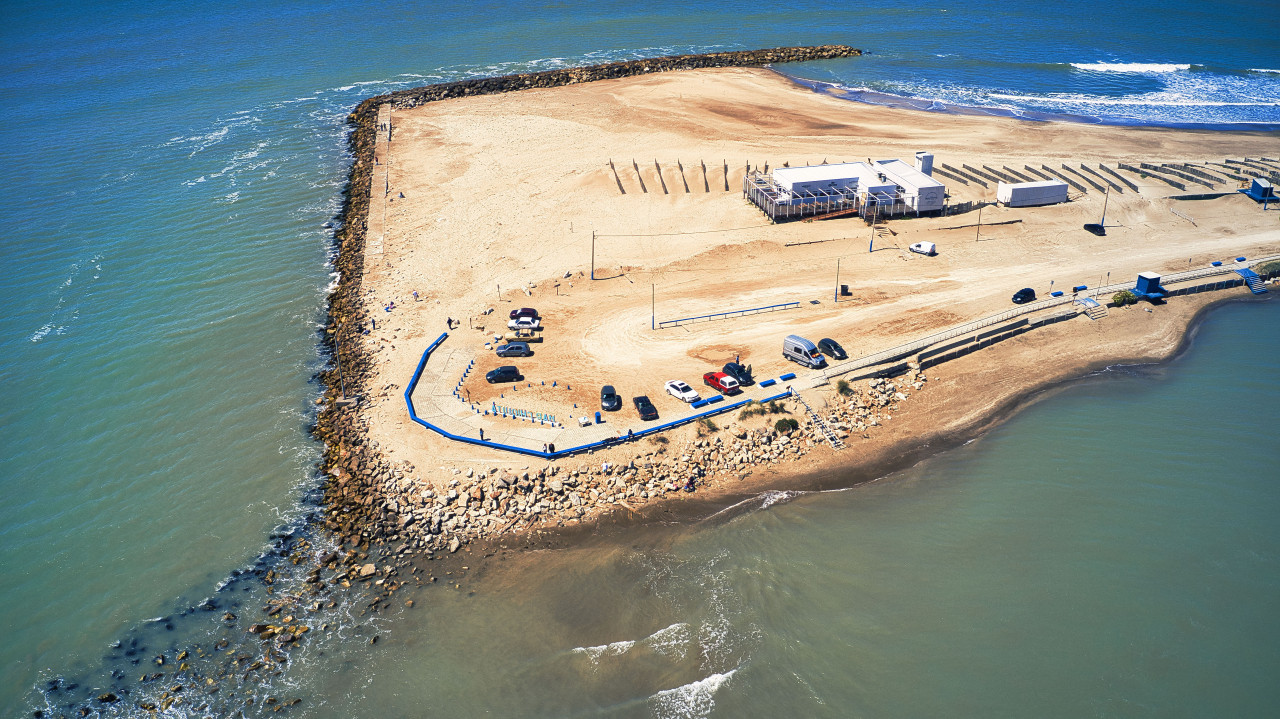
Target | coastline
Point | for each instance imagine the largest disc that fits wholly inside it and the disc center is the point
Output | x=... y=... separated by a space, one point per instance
x=364 y=516
x=368 y=564
x=924 y=104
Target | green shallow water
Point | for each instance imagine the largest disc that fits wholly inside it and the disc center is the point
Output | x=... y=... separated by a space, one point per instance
x=169 y=173
x=1111 y=550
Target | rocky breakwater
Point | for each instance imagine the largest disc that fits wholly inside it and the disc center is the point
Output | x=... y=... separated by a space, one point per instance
x=609 y=71
x=481 y=502
x=358 y=505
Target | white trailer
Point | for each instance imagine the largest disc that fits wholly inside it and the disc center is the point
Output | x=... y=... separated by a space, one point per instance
x=1031 y=194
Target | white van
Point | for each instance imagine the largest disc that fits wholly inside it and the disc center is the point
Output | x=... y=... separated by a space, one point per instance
x=924 y=248
x=802 y=351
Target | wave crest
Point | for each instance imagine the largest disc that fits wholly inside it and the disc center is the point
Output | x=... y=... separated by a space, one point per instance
x=1130 y=66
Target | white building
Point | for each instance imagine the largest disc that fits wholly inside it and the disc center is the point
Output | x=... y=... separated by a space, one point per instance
x=885 y=183
x=803 y=184
x=918 y=191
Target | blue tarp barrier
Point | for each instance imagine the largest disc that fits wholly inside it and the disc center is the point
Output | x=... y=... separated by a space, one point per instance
x=413 y=415
x=768 y=383
x=787 y=376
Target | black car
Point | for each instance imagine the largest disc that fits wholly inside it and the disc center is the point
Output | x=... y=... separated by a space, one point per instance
x=525 y=312
x=832 y=349
x=503 y=374
x=514 y=349
x=739 y=372
x=1023 y=296
x=645 y=408
x=609 y=399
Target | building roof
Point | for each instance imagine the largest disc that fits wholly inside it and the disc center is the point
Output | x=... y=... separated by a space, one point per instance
x=906 y=175
x=819 y=173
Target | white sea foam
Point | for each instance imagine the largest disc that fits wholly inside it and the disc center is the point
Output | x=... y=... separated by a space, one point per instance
x=611 y=649
x=695 y=699
x=1130 y=66
x=773 y=497
x=1262 y=69
x=672 y=641
x=1141 y=101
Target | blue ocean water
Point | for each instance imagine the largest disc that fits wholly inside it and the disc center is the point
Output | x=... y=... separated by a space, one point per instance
x=170 y=170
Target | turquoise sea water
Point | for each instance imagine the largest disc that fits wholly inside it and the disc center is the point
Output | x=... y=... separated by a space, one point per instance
x=169 y=172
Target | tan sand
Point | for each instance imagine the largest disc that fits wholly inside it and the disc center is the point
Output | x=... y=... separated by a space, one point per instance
x=506 y=191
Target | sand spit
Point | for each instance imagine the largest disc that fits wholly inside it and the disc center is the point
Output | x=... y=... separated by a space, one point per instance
x=492 y=202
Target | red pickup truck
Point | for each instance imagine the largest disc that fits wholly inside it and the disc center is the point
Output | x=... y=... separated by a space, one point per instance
x=721 y=382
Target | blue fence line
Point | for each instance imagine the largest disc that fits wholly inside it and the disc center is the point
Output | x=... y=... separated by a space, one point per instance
x=413 y=415
x=766 y=308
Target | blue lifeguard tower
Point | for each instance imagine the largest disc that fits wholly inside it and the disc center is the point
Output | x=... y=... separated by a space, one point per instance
x=1148 y=287
x=1261 y=190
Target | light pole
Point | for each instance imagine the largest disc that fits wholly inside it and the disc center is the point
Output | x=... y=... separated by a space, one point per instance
x=837 y=294
x=978 y=231
x=593 y=254
x=653 y=306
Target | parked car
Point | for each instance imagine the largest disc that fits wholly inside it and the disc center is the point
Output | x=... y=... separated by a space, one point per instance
x=645 y=408
x=832 y=349
x=514 y=349
x=524 y=312
x=924 y=248
x=721 y=382
x=524 y=323
x=506 y=373
x=739 y=372
x=523 y=335
x=609 y=399
x=803 y=352
x=1023 y=296
x=682 y=391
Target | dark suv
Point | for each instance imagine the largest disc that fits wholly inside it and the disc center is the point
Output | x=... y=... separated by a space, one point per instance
x=503 y=374
x=645 y=408
x=609 y=399
x=1023 y=296
x=740 y=372
x=832 y=349
x=524 y=312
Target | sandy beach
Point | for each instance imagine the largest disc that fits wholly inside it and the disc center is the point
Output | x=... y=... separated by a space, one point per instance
x=486 y=204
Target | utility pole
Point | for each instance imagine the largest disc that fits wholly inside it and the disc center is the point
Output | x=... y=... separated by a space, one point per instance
x=653 y=306
x=837 y=295
x=978 y=231
x=593 y=254
x=499 y=292
x=1103 y=222
x=871 y=245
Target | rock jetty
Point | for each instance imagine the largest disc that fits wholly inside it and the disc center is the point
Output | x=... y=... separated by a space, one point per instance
x=367 y=500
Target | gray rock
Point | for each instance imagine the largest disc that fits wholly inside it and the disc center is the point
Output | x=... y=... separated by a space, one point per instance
x=455 y=544
x=368 y=570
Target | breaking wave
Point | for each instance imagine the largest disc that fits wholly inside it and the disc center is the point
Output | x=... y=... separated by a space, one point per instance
x=695 y=699
x=1130 y=66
